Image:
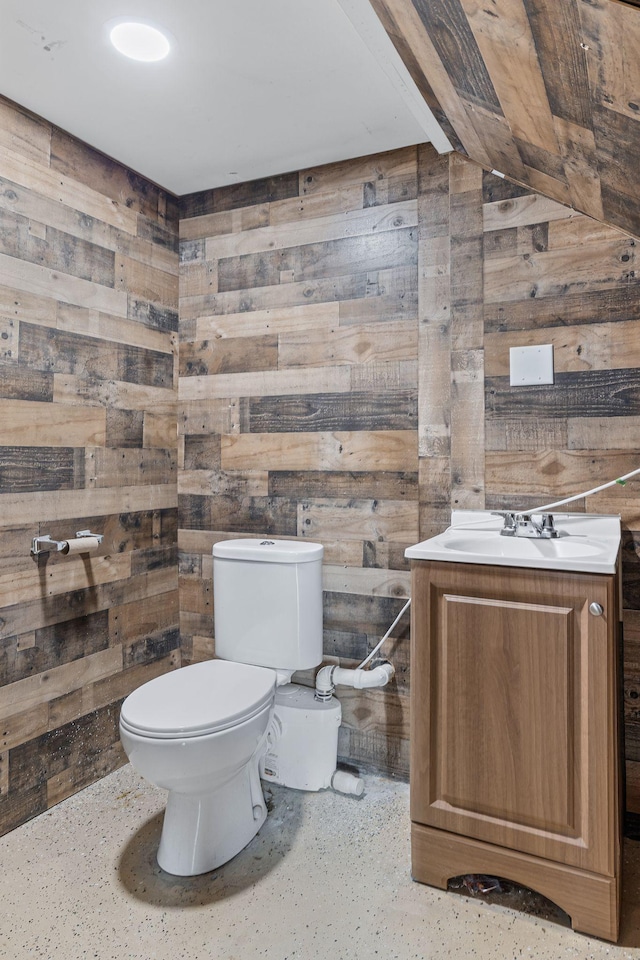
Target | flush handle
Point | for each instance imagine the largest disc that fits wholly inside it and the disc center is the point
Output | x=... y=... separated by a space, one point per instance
x=596 y=609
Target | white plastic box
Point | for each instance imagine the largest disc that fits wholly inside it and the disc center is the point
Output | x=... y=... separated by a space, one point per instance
x=304 y=751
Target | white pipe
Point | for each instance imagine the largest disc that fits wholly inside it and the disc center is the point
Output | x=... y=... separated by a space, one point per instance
x=324 y=683
x=328 y=677
x=344 y=782
x=363 y=679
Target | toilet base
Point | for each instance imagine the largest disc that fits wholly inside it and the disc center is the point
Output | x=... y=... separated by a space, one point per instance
x=202 y=831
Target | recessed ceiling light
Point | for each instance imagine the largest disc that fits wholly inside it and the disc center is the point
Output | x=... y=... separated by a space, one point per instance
x=140 y=41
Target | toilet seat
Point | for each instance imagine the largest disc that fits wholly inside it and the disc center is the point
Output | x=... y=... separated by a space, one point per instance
x=197 y=700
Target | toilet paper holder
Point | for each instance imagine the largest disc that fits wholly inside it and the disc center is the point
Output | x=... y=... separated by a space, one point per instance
x=45 y=544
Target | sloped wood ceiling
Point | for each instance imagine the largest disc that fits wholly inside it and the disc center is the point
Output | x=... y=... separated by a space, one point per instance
x=544 y=91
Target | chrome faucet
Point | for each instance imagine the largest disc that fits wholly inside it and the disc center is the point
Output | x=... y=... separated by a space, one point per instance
x=525 y=525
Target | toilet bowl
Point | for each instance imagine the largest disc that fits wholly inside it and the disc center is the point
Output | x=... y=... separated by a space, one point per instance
x=199 y=733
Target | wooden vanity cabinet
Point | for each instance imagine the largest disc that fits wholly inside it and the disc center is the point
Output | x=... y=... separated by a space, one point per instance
x=515 y=768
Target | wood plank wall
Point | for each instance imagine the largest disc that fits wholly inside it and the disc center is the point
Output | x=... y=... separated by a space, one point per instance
x=345 y=338
x=545 y=91
x=343 y=378
x=298 y=407
x=508 y=267
x=88 y=378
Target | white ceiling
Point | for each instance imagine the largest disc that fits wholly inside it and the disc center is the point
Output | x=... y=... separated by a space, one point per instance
x=252 y=87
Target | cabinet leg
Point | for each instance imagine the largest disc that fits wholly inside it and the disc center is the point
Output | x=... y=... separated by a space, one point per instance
x=592 y=901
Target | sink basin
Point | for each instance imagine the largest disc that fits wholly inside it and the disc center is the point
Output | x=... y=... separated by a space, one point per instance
x=585 y=543
x=493 y=545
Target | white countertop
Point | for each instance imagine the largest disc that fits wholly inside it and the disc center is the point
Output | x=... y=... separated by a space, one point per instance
x=588 y=543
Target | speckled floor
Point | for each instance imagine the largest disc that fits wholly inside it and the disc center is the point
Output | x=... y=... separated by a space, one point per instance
x=326 y=877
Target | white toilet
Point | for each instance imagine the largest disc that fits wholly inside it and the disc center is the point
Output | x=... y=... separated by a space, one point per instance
x=201 y=731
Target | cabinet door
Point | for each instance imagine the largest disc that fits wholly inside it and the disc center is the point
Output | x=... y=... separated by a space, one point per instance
x=514 y=709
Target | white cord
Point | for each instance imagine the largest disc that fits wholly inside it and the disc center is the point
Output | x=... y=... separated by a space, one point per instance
x=377 y=647
x=560 y=503
x=587 y=493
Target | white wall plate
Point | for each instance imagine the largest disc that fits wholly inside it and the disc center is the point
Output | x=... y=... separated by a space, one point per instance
x=529 y=365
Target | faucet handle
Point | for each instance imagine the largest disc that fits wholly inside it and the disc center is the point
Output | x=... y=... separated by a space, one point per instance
x=547 y=528
x=509 y=520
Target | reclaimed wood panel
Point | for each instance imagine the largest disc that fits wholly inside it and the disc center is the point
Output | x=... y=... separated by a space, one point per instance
x=27 y=134
x=585 y=393
x=266 y=383
x=365 y=253
x=40 y=177
x=22 y=694
x=434 y=387
x=45 y=348
x=543 y=91
x=393 y=284
x=388 y=521
x=101 y=326
x=605 y=265
x=342 y=450
x=251 y=514
x=612 y=303
x=89 y=263
x=27 y=616
x=520 y=211
x=27 y=422
x=94 y=170
x=35 y=278
x=368 y=581
x=55 y=249
x=333 y=177
x=237 y=483
x=44 y=212
x=26 y=469
x=73 y=504
x=354 y=344
x=226 y=221
x=585 y=347
x=37 y=651
x=115 y=467
x=205 y=358
x=153 y=314
x=382 y=409
x=283 y=234
x=113 y=395
x=282 y=320
x=238 y=195
x=365 y=484
x=298 y=408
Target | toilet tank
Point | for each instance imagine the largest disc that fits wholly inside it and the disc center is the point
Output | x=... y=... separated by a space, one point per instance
x=267 y=601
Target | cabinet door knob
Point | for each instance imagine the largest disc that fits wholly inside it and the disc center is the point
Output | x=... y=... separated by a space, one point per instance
x=596 y=609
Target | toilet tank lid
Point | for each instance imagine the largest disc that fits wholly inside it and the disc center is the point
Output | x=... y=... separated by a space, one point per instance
x=268 y=550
